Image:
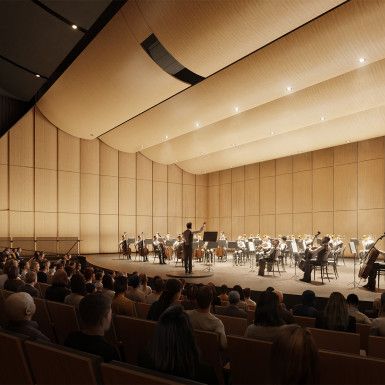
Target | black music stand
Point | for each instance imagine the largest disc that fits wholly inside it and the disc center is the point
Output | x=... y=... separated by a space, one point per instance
x=353 y=250
x=210 y=236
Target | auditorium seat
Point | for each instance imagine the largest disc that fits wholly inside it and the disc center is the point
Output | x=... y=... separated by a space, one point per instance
x=336 y=341
x=3 y=319
x=6 y=293
x=43 y=319
x=249 y=360
x=307 y=322
x=363 y=330
x=376 y=347
x=53 y=364
x=142 y=309
x=14 y=366
x=42 y=287
x=234 y=325
x=250 y=316
x=133 y=334
x=64 y=319
x=117 y=373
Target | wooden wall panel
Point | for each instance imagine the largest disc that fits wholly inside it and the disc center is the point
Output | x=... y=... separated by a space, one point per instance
x=238 y=174
x=302 y=192
x=4 y=204
x=213 y=178
x=267 y=224
x=201 y=201
x=225 y=225
x=175 y=225
x=127 y=196
x=225 y=200
x=143 y=167
x=4 y=223
x=323 y=222
x=237 y=226
x=21 y=142
x=371 y=179
x=202 y=180
x=45 y=225
x=212 y=224
x=127 y=223
x=252 y=171
x=188 y=178
x=89 y=156
x=323 y=183
x=267 y=196
x=371 y=149
x=284 y=193
x=68 y=152
x=4 y=149
x=89 y=233
x=252 y=224
x=69 y=192
x=345 y=224
x=302 y=223
x=127 y=165
x=345 y=154
x=45 y=143
x=108 y=233
x=302 y=162
x=109 y=194
x=144 y=224
x=174 y=194
x=21 y=224
x=189 y=201
x=238 y=199
x=159 y=172
x=225 y=176
x=174 y=174
x=267 y=168
x=371 y=222
x=68 y=225
x=143 y=197
x=159 y=199
x=345 y=187
x=284 y=165
x=213 y=201
x=21 y=188
x=108 y=159
x=284 y=224
x=323 y=158
x=252 y=197
x=46 y=190
x=89 y=194
x=159 y=225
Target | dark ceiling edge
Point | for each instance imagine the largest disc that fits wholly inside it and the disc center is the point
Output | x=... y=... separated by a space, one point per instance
x=229 y=65
x=18 y=110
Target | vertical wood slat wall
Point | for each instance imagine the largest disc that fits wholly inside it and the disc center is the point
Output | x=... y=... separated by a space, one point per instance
x=53 y=184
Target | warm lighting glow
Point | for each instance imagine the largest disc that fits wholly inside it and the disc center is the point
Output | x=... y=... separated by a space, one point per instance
x=289 y=88
x=166 y=137
x=236 y=109
x=348 y=141
x=272 y=132
x=197 y=125
x=361 y=60
x=37 y=75
x=74 y=26
x=322 y=118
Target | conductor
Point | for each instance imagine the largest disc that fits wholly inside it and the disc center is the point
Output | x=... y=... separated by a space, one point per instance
x=187 y=246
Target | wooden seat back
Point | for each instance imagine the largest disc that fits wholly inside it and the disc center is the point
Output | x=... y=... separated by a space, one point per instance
x=142 y=309
x=234 y=325
x=307 y=322
x=42 y=287
x=376 y=347
x=250 y=316
x=363 y=330
x=43 y=319
x=336 y=341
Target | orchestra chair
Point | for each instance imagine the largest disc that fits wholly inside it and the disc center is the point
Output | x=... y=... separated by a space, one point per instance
x=343 y=368
x=306 y=322
x=142 y=309
x=364 y=331
x=118 y=373
x=64 y=319
x=234 y=325
x=133 y=334
x=52 y=364
x=322 y=267
x=376 y=347
x=249 y=360
x=42 y=287
x=43 y=319
x=209 y=347
x=333 y=261
x=14 y=366
x=336 y=341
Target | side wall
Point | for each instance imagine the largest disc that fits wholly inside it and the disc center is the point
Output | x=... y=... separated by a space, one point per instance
x=53 y=184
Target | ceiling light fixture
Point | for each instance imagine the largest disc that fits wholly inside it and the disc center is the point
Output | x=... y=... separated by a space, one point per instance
x=348 y=141
x=166 y=137
x=322 y=118
x=236 y=109
x=197 y=124
x=289 y=88
x=272 y=133
x=37 y=75
x=361 y=60
x=74 y=26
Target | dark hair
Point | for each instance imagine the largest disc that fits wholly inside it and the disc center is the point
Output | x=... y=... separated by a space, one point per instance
x=224 y=289
x=93 y=308
x=134 y=281
x=189 y=225
x=98 y=275
x=270 y=289
x=191 y=292
x=108 y=282
x=69 y=269
x=336 y=312
x=13 y=272
x=158 y=285
x=60 y=278
x=172 y=287
x=247 y=292
x=239 y=289
x=88 y=272
x=173 y=348
x=78 y=284
x=22 y=264
x=204 y=297
x=352 y=299
x=120 y=285
x=267 y=310
x=294 y=357
x=308 y=297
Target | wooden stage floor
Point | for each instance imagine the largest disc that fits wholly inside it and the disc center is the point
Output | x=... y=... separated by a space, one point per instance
x=226 y=273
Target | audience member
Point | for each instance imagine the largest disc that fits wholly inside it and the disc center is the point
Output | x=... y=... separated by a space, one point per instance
x=248 y=300
x=169 y=296
x=144 y=284
x=108 y=286
x=29 y=285
x=267 y=319
x=98 y=280
x=223 y=293
x=352 y=302
x=294 y=357
x=158 y=286
x=58 y=290
x=378 y=324
x=134 y=293
x=242 y=304
x=23 y=268
x=89 y=276
x=78 y=291
x=19 y=310
x=336 y=316
x=202 y=319
x=95 y=316
x=42 y=274
x=13 y=282
x=121 y=304
x=284 y=313
x=216 y=301
x=173 y=349
x=233 y=309
x=190 y=297
x=306 y=308
x=7 y=265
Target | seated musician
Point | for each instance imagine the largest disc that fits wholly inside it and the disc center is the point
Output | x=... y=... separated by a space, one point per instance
x=159 y=249
x=140 y=247
x=373 y=268
x=314 y=258
x=222 y=236
x=241 y=245
x=178 y=247
x=272 y=254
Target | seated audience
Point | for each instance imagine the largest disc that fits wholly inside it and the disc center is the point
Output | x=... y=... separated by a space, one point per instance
x=294 y=357
x=58 y=290
x=7 y=265
x=89 y=276
x=108 y=286
x=352 y=302
x=336 y=316
x=306 y=308
x=29 y=285
x=173 y=349
x=190 y=297
x=248 y=300
x=158 y=286
x=216 y=301
x=78 y=291
x=378 y=324
x=169 y=296
x=69 y=269
x=42 y=274
x=233 y=309
x=23 y=269
x=121 y=304
x=98 y=280
x=267 y=319
x=202 y=319
x=242 y=304
x=144 y=284
x=95 y=315
x=19 y=310
x=13 y=282
x=284 y=313
x=134 y=293
x=223 y=293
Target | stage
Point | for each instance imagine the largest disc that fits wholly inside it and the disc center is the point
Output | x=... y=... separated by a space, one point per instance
x=226 y=273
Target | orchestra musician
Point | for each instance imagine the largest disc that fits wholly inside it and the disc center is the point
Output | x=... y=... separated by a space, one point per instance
x=159 y=247
x=126 y=251
x=187 y=246
x=272 y=254
x=142 y=249
x=238 y=254
x=178 y=248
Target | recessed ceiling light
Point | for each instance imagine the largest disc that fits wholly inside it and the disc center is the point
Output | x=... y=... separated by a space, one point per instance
x=37 y=75
x=289 y=88
x=361 y=60
x=233 y=144
x=166 y=137
x=236 y=109
x=202 y=153
x=197 y=124
x=272 y=133
x=322 y=118
x=74 y=26
x=348 y=141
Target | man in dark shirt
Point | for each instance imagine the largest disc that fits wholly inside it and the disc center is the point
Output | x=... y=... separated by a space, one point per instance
x=29 y=286
x=187 y=246
x=306 y=309
x=95 y=313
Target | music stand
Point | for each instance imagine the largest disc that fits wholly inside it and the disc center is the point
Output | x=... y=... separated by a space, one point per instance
x=210 y=236
x=252 y=250
x=295 y=253
x=353 y=250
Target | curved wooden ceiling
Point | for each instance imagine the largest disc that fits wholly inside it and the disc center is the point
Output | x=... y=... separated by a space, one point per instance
x=115 y=91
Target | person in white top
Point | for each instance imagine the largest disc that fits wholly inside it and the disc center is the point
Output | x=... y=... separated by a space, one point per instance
x=158 y=287
x=202 y=319
x=352 y=301
x=378 y=324
x=143 y=284
x=248 y=300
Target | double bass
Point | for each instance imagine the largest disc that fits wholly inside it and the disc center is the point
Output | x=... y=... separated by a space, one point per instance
x=142 y=249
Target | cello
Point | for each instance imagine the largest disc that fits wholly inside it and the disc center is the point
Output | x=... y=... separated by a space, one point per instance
x=369 y=260
x=142 y=249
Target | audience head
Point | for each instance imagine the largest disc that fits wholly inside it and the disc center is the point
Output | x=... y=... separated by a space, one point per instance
x=9 y=264
x=279 y=294
x=120 y=284
x=270 y=289
x=171 y=292
x=60 y=278
x=134 y=281
x=95 y=311
x=191 y=292
x=352 y=300
x=31 y=277
x=23 y=265
x=89 y=274
x=294 y=357
x=239 y=289
x=108 y=282
x=234 y=297
x=78 y=284
x=336 y=312
x=35 y=266
x=158 y=285
x=99 y=275
x=204 y=297
x=13 y=272
x=69 y=270
x=143 y=279
x=224 y=289
x=19 y=307
x=308 y=298
x=267 y=310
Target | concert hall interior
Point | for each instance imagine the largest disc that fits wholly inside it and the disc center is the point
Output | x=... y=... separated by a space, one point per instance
x=260 y=122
